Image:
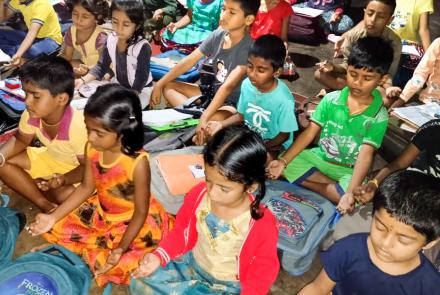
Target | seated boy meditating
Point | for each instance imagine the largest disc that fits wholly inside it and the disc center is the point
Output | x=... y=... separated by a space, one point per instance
x=377 y=15
x=48 y=83
x=351 y=123
x=226 y=50
x=388 y=260
x=266 y=104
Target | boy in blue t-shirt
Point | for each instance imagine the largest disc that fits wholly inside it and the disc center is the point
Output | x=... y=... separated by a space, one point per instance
x=388 y=260
x=266 y=104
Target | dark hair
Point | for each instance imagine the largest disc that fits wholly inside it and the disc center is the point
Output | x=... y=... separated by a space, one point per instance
x=390 y=3
x=372 y=53
x=135 y=12
x=249 y=7
x=240 y=155
x=412 y=198
x=269 y=47
x=99 y=8
x=119 y=110
x=53 y=73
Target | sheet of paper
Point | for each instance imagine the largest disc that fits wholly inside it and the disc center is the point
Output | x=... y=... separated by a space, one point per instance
x=4 y=57
x=163 y=117
x=89 y=88
x=312 y=12
x=410 y=49
x=79 y=103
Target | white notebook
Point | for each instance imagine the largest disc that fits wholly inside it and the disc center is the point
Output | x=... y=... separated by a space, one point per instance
x=163 y=117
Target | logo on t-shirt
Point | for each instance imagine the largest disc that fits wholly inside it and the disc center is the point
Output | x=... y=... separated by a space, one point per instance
x=260 y=117
x=222 y=71
x=400 y=20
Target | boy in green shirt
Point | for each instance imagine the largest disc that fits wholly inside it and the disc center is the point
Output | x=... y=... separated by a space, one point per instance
x=351 y=123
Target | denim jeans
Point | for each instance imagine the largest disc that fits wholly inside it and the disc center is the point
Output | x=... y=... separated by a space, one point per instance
x=10 y=41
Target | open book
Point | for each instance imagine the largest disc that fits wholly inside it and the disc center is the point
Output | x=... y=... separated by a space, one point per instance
x=163 y=117
x=416 y=116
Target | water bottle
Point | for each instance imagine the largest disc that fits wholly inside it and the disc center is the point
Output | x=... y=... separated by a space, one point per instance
x=288 y=67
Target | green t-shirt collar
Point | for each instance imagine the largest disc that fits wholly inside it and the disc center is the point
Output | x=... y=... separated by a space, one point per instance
x=372 y=109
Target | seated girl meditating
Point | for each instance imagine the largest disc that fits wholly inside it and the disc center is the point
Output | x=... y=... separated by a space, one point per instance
x=85 y=36
x=186 y=34
x=126 y=50
x=111 y=219
x=224 y=241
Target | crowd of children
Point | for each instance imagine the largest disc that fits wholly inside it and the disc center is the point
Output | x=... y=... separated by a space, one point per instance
x=91 y=178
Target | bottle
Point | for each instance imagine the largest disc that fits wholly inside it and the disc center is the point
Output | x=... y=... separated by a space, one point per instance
x=288 y=67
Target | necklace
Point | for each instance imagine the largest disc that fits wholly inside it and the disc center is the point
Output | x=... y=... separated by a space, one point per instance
x=50 y=125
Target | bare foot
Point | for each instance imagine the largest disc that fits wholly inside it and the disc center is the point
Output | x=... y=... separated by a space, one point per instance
x=41 y=247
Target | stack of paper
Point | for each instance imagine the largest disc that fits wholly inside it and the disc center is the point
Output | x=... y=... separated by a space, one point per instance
x=416 y=116
x=163 y=117
x=18 y=92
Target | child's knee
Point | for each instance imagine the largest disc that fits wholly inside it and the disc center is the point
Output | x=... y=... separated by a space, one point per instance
x=320 y=76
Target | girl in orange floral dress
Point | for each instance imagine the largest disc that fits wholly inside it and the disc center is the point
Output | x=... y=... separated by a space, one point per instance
x=111 y=219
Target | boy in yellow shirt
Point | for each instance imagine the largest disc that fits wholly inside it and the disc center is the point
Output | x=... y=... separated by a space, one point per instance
x=44 y=30
x=45 y=175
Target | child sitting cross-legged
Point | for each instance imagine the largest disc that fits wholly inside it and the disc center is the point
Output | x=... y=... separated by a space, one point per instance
x=110 y=219
x=188 y=32
x=351 y=123
x=226 y=50
x=85 y=36
x=266 y=104
x=377 y=15
x=126 y=51
x=224 y=241
x=388 y=260
x=45 y=175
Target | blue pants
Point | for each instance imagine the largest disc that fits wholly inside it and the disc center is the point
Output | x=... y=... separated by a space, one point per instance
x=10 y=41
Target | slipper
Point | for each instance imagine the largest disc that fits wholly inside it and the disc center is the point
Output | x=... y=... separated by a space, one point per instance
x=4 y=200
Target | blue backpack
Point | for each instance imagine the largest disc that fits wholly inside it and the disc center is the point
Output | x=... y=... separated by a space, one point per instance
x=11 y=223
x=304 y=218
x=51 y=271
